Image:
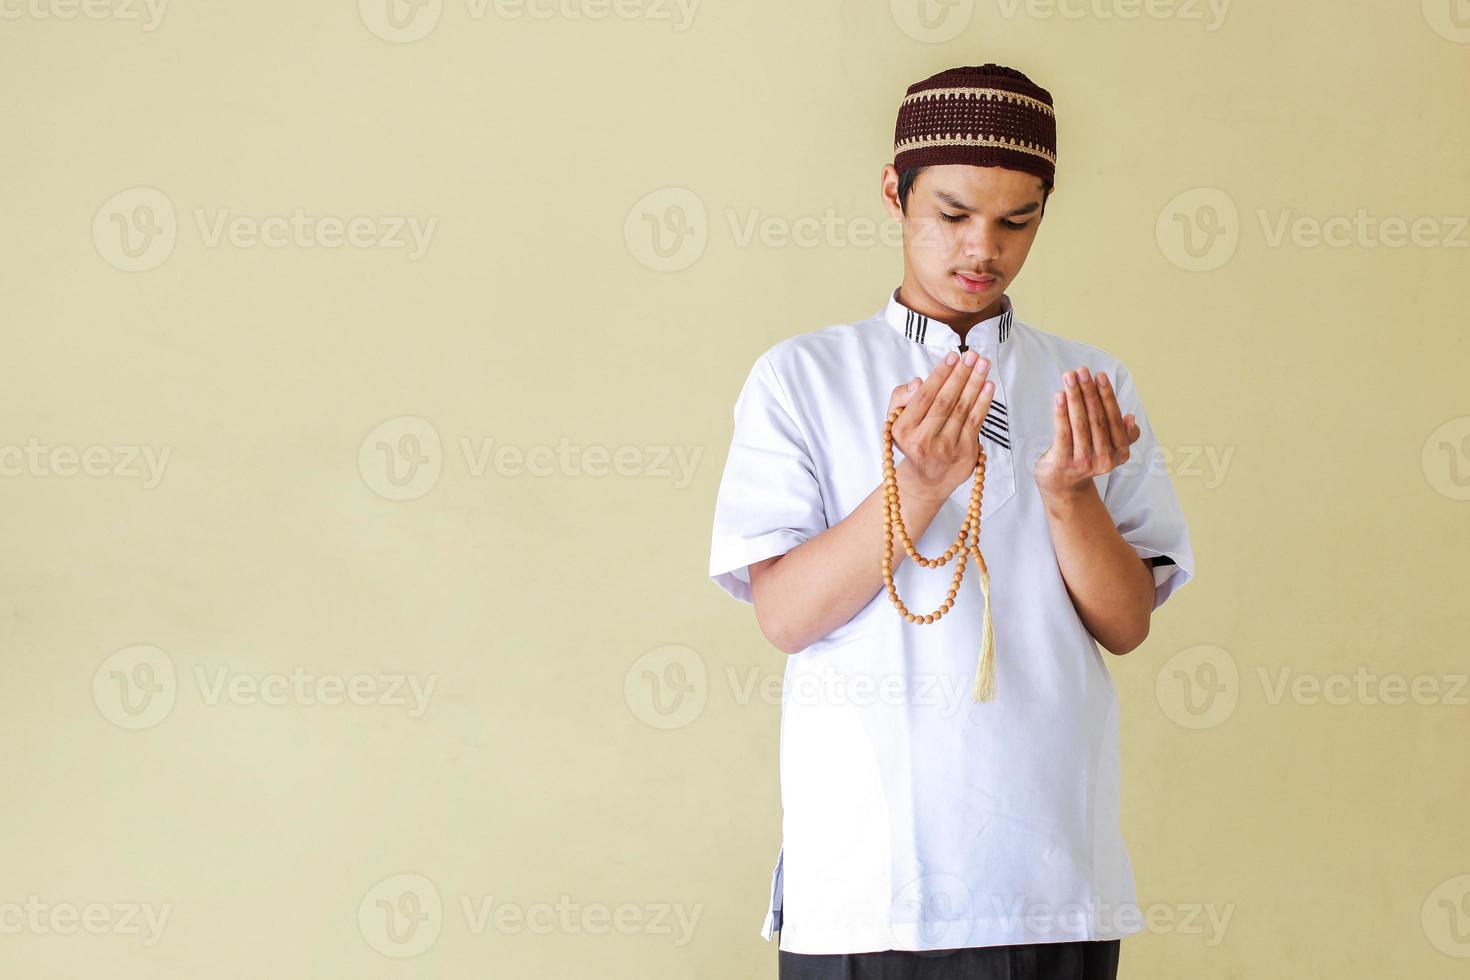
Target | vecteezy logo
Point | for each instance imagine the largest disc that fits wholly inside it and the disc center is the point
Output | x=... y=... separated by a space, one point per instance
x=941 y=907
x=932 y=21
x=401 y=916
x=1199 y=229
x=136 y=687
x=401 y=21
x=1198 y=687
x=667 y=687
x=1446 y=916
x=402 y=458
x=667 y=230
x=1450 y=19
x=1446 y=458
x=135 y=230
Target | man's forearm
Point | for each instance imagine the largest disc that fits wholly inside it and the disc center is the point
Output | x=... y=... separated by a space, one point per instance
x=1110 y=585
x=822 y=583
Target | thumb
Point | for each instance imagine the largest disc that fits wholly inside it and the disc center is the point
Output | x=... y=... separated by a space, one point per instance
x=904 y=394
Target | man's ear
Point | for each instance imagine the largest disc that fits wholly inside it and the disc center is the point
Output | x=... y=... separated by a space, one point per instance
x=888 y=191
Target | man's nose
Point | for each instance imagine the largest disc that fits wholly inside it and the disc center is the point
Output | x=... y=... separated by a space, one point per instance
x=982 y=245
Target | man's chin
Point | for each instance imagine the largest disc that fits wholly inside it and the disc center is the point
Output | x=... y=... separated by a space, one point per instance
x=962 y=299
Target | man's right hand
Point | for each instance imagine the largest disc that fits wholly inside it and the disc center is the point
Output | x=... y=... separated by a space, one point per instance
x=938 y=430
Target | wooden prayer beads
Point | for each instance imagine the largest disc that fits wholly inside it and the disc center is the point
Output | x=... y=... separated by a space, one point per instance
x=967 y=543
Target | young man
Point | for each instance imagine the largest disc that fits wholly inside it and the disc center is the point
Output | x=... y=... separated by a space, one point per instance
x=925 y=833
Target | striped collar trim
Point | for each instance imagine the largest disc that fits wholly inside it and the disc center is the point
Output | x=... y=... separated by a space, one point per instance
x=933 y=333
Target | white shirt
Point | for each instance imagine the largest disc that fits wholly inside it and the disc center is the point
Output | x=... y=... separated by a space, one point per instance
x=913 y=817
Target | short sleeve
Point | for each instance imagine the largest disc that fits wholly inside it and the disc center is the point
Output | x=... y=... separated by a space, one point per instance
x=769 y=500
x=1140 y=497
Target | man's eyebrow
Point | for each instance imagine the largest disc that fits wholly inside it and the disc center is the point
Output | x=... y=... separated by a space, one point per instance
x=957 y=204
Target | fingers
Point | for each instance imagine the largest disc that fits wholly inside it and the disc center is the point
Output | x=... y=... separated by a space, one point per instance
x=1100 y=435
x=918 y=406
x=1097 y=419
x=978 y=411
x=959 y=418
x=1061 y=425
x=1077 y=413
x=945 y=399
x=1116 y=426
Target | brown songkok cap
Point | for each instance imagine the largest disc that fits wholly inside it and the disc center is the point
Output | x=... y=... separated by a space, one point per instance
x=987 y=116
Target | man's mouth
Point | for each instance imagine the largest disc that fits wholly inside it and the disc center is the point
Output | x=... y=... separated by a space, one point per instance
x=974 y=283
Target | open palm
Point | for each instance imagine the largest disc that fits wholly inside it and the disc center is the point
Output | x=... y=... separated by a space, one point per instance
x=1090 y=435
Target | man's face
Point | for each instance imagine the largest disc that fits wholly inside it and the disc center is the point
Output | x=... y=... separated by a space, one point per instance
x=966 y=231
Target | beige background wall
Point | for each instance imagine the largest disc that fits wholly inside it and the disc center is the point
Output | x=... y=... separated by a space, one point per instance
x=355 y=611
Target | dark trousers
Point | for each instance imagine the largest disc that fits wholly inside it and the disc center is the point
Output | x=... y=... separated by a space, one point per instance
x=1081 y=960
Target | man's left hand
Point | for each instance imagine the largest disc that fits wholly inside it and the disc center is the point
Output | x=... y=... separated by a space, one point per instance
x=1090 y=435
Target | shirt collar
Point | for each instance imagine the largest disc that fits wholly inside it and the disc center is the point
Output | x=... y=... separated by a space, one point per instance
x=934 y=333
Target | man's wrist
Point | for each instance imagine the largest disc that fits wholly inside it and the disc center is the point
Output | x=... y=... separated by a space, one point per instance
x=1061 y=501
x=911 y=486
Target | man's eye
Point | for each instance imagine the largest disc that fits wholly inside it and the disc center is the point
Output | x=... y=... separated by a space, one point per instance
x=1014 y=225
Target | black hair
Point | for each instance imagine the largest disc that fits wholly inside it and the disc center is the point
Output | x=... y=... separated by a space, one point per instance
x=907 y=178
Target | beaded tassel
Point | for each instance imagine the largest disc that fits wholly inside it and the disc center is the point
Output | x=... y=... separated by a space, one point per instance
x=967 y=543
